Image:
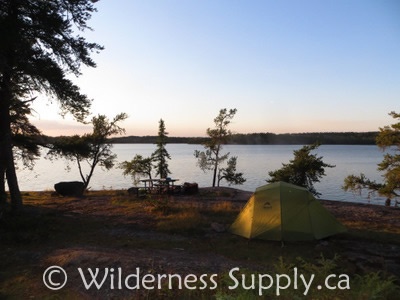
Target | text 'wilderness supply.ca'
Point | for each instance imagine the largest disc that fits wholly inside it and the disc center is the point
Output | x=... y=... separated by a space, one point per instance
x=55 y=278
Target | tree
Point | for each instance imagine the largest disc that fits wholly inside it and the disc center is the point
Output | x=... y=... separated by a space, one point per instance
x=138 y=167
x=229 y=173
x=388 y=136
x=212 y=157
x=39 y=48
x=93 y=148
x=160 y=155
x=304 y=170
x=25 y=136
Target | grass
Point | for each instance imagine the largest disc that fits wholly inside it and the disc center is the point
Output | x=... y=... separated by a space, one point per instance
x=370 y=286
x=107 y=227
x=188 y=221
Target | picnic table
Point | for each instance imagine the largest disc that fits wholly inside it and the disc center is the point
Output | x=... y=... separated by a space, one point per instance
x=167 y=185
x=160 y=186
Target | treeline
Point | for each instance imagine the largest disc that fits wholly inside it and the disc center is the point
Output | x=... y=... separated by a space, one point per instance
x=327 y=138
x=153 y=140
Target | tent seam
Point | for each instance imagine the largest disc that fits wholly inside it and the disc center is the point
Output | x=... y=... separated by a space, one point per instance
x=280 y=208
x=252 y=216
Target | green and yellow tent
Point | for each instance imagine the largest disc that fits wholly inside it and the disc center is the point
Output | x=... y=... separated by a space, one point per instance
x=285 y=212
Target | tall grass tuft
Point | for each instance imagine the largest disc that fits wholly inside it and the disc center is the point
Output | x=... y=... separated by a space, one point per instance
x=185 y=221
x=376 y=286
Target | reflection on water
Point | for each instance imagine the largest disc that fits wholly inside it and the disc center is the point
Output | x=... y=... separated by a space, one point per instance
x=255 y=161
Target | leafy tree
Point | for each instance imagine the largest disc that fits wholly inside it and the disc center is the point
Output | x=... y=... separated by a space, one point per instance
x=39 y=48
x=161 y=154
x=389 y=136
x=304 y=170
x=92 y=149
x=212 y=158
x=229 y=173
x=138 y=167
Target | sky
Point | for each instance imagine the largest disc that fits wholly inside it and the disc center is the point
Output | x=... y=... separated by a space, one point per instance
x=287 y=66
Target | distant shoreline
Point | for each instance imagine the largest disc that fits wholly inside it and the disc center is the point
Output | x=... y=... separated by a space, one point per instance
x=324 y=138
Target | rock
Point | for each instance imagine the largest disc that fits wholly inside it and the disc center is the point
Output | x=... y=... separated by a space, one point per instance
x=218 y=227
x=133 y=191
x=70 y=188
x=190 y=188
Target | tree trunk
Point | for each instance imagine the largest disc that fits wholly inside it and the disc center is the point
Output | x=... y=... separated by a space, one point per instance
x=12 y=181
x=3 y=194
x=3 y=160
x=215 y=173
x=7 y=166
x=216 y=165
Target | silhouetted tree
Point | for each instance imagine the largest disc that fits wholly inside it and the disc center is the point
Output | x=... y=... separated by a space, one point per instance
x=304 y=170
x=92 y=149
x=25 y=136
x=39 y=48
x=138 y=167
x=212 y=158
x=160 y=155
x=229 y=173
x=389 y=136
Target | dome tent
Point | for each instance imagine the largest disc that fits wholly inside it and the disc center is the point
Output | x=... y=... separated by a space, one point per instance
x=285 y=212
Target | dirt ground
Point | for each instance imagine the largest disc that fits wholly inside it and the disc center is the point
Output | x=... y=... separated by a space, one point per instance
x=134 y=245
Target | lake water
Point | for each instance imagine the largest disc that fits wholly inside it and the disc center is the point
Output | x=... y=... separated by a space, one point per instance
x=255 y=161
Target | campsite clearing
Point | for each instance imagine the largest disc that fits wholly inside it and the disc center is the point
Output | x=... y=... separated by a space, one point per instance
x=174 y=235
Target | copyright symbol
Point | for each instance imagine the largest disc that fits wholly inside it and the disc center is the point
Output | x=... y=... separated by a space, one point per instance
x=54 y=278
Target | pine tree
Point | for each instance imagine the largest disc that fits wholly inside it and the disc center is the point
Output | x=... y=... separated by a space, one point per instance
x=389 y=136
x=39 y=48
x=212 y=157
x=304 y=169
x=161 y=155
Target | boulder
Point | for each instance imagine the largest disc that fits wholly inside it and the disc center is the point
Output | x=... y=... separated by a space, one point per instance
x=70 y=188
x=133 y=191
x=190 y=188
x=218 y=227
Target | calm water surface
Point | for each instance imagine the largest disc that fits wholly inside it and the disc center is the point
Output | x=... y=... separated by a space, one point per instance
x=255 y=161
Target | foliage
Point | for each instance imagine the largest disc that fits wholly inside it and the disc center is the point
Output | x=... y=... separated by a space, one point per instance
x=304 y=170
x=389 y=136
x=212 y=158
x=368 y=286
x=141 y=166
x=93 y=148
x=25 y=135
x=160 y=155
x=138 y=167
x=39 y=51
x=229 y=173
x=375 y=286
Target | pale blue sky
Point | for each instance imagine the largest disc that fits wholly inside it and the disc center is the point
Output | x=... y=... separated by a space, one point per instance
x=287 y=66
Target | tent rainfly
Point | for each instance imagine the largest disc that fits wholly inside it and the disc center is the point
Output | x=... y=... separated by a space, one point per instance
x=285 y=212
